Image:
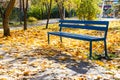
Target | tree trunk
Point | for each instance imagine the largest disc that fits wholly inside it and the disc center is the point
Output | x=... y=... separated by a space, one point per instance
x=6 y=27
x=60 y=8
x=20 y=14
x=5 y=17
x=69 y=11
x=42 y=13
x=47 y=7
x=61 y=12
x=25 y=20
x=25 y=6
x=49 y=11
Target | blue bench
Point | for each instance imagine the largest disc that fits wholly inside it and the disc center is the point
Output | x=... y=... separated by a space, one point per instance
x=89 y=25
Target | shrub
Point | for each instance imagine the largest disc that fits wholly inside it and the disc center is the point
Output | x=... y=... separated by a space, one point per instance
x=34 y=11
x=54 y=12
x=32 y=19
x=15 y=14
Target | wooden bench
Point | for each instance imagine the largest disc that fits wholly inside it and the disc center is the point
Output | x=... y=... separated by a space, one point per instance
x=89 y=25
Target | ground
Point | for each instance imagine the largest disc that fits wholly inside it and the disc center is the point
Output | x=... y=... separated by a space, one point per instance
x=25 y=55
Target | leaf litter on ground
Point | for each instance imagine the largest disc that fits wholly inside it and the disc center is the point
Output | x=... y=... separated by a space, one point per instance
x=28 y=56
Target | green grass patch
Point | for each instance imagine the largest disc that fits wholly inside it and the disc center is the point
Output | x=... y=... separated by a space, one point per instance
x=101 y=56
x=113 y=55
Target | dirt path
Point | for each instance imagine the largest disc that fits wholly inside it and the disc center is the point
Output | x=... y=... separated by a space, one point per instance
x=38 y=23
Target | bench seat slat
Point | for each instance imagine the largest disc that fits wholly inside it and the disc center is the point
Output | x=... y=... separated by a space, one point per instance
x=84 y=27
x=77 y=36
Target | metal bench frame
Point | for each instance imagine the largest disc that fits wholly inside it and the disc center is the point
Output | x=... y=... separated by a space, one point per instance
x=90 y=25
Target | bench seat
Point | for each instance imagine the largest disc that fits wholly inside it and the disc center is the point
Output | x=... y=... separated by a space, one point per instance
x=77 y=36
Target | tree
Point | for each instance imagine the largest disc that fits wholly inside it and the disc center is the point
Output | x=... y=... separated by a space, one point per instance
x=119 y=5
x=5 y=14
x=20 y=14
x=39 y=8
x=88 y=9
x=25 y=8
x=60 y=4
x=49 y=11
x=70 y=5
x=118 y=9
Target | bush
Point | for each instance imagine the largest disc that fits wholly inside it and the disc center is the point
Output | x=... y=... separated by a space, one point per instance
x=54 y=12
x=15 y=14
x=32 y=19
x=35 y=12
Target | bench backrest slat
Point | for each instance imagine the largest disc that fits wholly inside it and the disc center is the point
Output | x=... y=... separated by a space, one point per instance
x=84 y=27
x=84 y=22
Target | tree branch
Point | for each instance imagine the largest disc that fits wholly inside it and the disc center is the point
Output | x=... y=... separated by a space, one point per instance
x=9 y=8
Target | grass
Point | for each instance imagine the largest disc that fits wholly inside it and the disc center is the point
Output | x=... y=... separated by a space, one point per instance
x=99 y=57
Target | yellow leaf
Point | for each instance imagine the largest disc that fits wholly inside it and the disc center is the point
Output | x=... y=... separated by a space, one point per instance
x=1 y=57
x=62 y=58
x=26 y=73
x=3 y=79
x=63 y=66
x=99 y=63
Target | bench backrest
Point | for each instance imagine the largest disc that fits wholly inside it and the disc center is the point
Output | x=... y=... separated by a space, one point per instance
x=90 y=25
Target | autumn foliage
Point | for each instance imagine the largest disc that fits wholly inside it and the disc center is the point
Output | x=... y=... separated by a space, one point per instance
x=33 y=43
x=37 y=37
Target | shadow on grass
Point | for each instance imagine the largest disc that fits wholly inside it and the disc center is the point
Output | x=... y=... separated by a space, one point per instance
x=79 y=66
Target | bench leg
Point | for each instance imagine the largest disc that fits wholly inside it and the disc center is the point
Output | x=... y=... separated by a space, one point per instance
x=90 y=50
x=48 y=39
x=105 y=49
x=60 y=39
